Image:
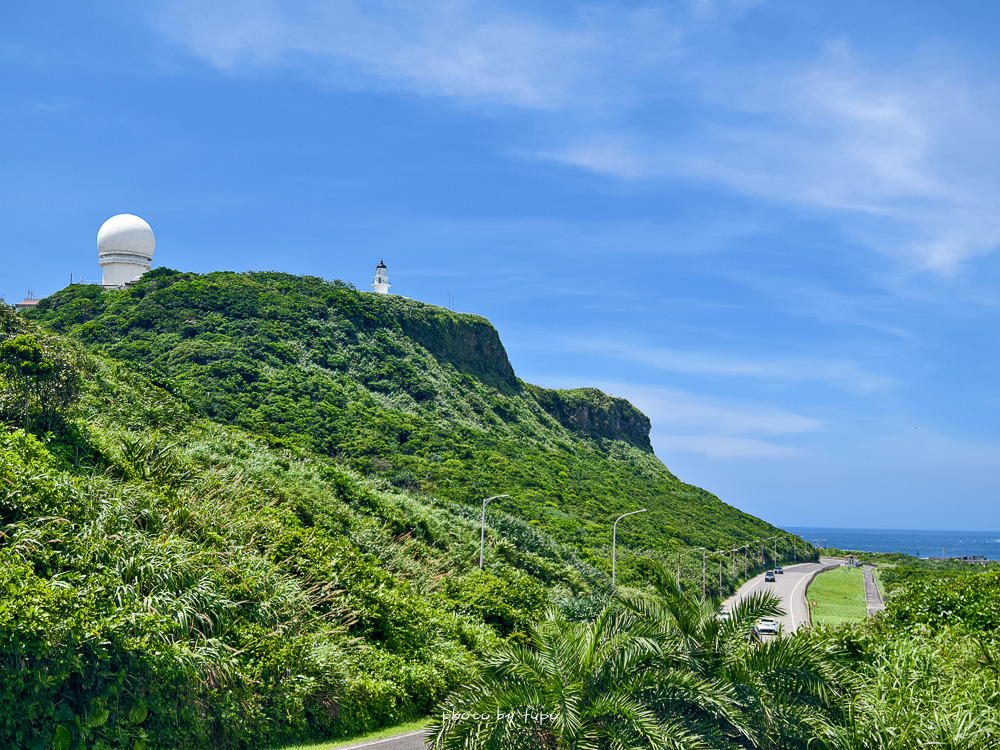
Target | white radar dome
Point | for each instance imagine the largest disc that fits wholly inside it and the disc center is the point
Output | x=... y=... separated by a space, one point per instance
x=125 y=245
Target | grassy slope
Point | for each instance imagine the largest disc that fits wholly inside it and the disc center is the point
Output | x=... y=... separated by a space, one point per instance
x=191 y=586
x=415 y=393
x=839 y=595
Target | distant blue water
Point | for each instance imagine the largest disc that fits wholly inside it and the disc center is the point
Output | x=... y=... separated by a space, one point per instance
x=918 y=543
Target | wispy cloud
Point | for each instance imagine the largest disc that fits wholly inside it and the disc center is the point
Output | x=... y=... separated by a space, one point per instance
x=874 y=150
x=452 y=48
x=715 y=428
x=874 y=310
x=839 y=373
x=869 y=147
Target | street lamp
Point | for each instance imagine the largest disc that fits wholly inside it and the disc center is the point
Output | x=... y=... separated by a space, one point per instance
x=614 y=540
x=703 y=553
x=482 y=528
x=732 y=563
x=720 y=555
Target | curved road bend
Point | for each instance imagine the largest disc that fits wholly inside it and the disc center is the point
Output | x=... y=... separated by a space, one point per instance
x=791 y=587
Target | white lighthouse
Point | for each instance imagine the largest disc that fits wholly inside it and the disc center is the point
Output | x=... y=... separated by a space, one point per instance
x=125 y=245
x=380 y=284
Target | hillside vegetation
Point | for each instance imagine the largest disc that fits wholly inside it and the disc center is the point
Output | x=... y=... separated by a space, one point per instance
x=171 y=581
x=242 y=509
x=421 y=395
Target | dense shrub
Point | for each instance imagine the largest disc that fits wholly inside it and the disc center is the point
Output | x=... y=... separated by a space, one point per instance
x=508 y=603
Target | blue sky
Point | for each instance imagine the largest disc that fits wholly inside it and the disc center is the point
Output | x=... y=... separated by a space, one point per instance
x=773 y=226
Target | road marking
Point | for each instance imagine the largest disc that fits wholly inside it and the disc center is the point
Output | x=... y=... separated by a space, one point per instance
x=806 y=569
x=379 y=742
x=791 y=601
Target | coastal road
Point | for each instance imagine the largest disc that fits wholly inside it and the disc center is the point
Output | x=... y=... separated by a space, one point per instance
x=790 y=586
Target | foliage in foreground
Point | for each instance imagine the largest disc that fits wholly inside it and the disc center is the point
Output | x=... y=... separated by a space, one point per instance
x=658 y=671
x=927 y=669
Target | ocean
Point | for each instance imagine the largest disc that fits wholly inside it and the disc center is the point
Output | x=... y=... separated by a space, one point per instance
x=910 y=542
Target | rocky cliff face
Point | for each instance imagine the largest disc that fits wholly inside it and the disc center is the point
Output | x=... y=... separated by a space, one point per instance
x=467 y=342
x=594 y=414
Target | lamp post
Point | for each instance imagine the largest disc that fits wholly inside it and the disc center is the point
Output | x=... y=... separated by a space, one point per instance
x=704 y=553
x=614 y=541
x=762 y=549
x=732 y=563
x=694 y=549
x=482 y=528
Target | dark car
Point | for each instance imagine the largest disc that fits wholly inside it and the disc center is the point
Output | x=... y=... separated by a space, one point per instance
x=779 y=569
x=769 y=575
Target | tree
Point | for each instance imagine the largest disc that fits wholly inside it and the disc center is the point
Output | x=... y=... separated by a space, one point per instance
x=776 y=693
x=39 y=382
x=576 y=686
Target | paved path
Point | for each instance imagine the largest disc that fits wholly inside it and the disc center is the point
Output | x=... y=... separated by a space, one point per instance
x=408 y=741
x=873 y=599
x=790 y=586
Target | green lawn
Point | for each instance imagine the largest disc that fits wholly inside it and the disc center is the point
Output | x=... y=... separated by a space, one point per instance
x=839 y=595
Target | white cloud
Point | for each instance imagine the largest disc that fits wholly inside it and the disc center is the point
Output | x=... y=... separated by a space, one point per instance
x=712 y=427
x=452 y=48
x=840 y=373
x=878 y=149
x=721 y=446
x=874 y=151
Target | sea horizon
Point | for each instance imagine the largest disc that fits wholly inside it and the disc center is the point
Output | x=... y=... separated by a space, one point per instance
x=916 y=542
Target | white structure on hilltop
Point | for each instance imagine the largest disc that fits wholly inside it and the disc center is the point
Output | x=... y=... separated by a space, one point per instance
x=125 y=245
x=380 y=284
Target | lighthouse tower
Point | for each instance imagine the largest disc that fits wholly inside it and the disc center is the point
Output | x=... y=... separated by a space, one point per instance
x=380 y=284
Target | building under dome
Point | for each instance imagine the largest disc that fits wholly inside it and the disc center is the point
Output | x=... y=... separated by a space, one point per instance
x=125 y=245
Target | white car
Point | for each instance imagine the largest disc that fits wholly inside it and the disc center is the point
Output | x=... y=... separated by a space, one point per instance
x=767 y=626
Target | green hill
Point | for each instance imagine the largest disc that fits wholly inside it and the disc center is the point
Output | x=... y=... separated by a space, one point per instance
x=242 y=509
x=421 y=395
x=172 y=582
